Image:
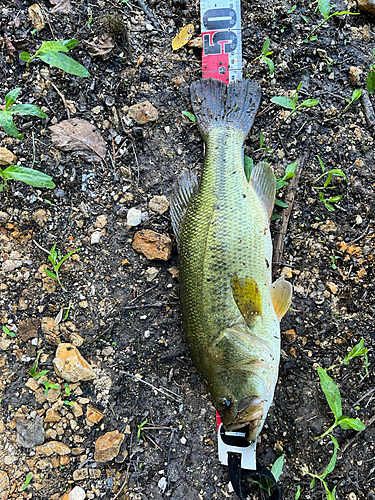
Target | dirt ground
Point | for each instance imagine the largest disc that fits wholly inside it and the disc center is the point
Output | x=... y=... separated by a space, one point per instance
x=125 y=318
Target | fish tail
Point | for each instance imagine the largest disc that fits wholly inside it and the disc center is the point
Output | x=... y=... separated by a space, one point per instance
x=217 y=104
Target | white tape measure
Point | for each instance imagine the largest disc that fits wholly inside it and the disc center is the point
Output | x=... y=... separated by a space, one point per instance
x=222 y=42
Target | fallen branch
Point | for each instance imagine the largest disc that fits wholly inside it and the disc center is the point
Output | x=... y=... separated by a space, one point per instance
x=278 y=246
x=368 y=109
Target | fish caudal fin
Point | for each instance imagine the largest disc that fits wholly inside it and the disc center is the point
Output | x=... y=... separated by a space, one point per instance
x=217 y=104
x=247 y=296
x=183 y=190
x=264 y=182
x=281 y=296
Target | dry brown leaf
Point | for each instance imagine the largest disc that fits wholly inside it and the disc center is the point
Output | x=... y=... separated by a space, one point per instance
x=71 y=106
x=183 y=37
x=100 y=47
x=10 y=47
x=36 y=17
x=63 y=6
x=81 y=137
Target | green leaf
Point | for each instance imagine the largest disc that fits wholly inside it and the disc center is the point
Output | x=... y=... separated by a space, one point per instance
x=57 y=267
x=321 y=164
x=27 y=481
x=280 y=183
x=25 y=56
x=266 y=46
x=64 y=62
x=29 y=176
x=270 y=64
x=339 y=173
x=324 y=8
x=329 y=178
x=53 y=255
x=261 y=140
x=189 y=115
x=290 y=169
x=370 y=81
x=309 y=103
x=280 y=203
x=285 y=102
x=8 y=332
x=335 y=199
x=275 y=216
x=356 y=94
x=11 y=97
x=332 y=462
x=312 y=484
x=6 y=121
x=50 y=274
x=57 y=46
x=298 y=493
x=248 y=166
x=351 y=423
x=358 y=350
x=331 y=392
x=299 y=86
x=331 y=495
x=28 y=109
x=277 y=467
x=40 y=374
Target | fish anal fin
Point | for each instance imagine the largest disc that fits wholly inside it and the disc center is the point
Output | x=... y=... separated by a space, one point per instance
x=264 y=182
x=247 y=296
x=281 y=296
x=184 y=189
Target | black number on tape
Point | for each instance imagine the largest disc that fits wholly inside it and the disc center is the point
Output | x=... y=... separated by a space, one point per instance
x=220 y=36
x=216 y=19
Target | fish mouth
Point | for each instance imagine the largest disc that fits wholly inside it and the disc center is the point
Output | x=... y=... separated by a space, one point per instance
x=250 y=415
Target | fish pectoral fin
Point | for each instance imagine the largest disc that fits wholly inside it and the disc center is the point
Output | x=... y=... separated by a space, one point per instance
x=281 y=296
x=264 y=182
x=184 y=189
x=247 y=296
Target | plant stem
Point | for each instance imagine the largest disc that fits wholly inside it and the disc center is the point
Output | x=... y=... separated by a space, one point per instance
x=326 y=432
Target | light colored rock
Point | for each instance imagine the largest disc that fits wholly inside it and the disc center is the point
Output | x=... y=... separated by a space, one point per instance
x=367 y=6
x=143 y=112
x=4 y=485
x=77 y=409
x=159 y=204
x=70 y=365
x=153 y=245
x=41 y=216
x=50 y=330
x=95 y=237
x=174 y=271
x=10 y=265
x=107 y=447
x=93 y=414
x=355 y=75
x=134 y=217
x=77 y=493
x=332 y=287
x=53 y=448
x=52 y=416
x=101 y=221
x=151 y=273
x=7 y=157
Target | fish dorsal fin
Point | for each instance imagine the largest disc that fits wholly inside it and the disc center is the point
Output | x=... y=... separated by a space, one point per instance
x=264 y=182
x=247 y=296
x=183 y=190
x=281 y=296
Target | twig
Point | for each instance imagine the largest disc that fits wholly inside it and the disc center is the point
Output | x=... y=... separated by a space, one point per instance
x=63 y=99
x=45 y=13
x=113 y=147
x=123 y=484
x=282 y=143
x=148 y=13
x=152 y=386
x=364 y=396
x=289 y=199
x=368 y=109
x=169 y=454
x=351 y=441
x=362 y=235
x=142 y=294
x=145 y=305
x=44 y=250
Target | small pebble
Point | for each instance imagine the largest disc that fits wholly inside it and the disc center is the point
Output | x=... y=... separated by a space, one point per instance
x=59 y=193
x=134 y=217
x=95 y=237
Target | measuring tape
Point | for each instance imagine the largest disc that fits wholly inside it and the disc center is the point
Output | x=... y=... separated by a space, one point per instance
x=221 y=36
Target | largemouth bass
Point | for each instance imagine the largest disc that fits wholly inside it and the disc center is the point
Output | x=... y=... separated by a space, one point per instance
x=230 y=308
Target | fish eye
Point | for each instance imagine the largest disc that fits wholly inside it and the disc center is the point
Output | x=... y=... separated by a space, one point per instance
x=225 y=403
